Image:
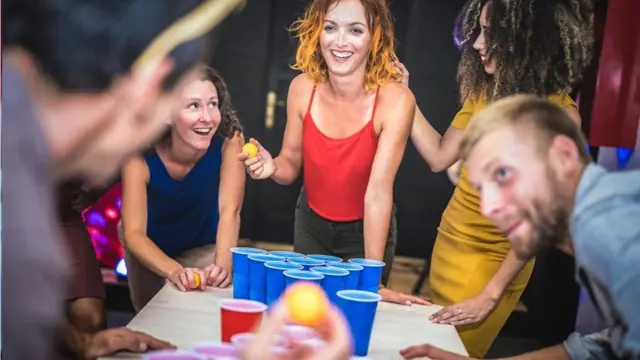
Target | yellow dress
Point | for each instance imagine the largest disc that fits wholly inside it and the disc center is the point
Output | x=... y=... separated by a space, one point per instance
x=469 y=250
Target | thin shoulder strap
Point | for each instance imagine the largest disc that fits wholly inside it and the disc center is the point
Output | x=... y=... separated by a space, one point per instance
x=313 y=93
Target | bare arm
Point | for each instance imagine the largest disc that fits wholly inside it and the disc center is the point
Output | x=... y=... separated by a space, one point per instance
x=289 y=162
x=378 y=200
x=135 y=177
x=438 y=151
x=231 y=194
x=509 y=269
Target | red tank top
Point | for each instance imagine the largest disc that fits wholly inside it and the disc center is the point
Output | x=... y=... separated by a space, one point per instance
x=336 y=171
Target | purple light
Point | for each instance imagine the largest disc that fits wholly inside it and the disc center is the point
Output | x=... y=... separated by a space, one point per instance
x=119 y=203
x=624 y=156
x=96 y=219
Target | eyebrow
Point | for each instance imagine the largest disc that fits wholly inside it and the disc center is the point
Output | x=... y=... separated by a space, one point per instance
x=489 y=164
x=199 y=99
x=353 y=23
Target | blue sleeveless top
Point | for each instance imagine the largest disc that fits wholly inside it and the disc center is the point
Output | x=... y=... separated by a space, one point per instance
x=183 y=214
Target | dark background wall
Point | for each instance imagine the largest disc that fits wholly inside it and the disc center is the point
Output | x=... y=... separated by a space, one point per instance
x=254 y=57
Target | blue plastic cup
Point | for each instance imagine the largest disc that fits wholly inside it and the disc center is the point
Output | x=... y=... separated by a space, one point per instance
x=354 y=273
x=292 y=276
x=371 y=274
x=306 y=262
x=324 y=258
x=334 y=280
x=275 y=278
x=359 y=307
x=258 y=276
x=241 y=270
x=286 y=254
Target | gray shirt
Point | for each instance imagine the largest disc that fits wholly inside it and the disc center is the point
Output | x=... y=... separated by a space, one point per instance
x=605 y=227
x=34 y=278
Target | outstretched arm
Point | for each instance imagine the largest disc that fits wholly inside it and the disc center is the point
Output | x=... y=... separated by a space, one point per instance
x=232 y=181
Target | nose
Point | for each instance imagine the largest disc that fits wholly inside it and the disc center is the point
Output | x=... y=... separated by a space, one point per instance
x=479 y=43
x=491 y=201
x=342 y=39
x=206 y=115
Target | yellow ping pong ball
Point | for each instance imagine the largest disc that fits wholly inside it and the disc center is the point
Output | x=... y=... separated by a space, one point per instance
x=306 y=304
x=251 y=149
x=196 y=278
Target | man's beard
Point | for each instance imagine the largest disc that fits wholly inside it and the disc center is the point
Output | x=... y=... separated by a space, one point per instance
x=549 y=223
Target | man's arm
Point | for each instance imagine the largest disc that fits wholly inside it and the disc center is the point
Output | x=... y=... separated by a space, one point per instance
x=107 y=342
x=607 y=242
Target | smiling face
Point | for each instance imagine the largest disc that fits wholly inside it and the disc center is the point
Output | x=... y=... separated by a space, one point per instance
x=526 y=193
x=481 y=43
x=199 y=115
x=345 y=37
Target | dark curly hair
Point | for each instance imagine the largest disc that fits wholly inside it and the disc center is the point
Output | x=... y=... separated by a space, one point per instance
x=230 y=124
x=539 y=46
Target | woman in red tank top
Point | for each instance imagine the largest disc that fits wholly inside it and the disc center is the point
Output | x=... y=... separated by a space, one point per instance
x=348 y=120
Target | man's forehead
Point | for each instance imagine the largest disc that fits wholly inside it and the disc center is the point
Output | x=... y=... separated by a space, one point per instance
x=498 y=145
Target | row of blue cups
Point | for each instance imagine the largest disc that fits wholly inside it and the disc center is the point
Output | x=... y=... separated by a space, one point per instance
x=263 y=276
x=352 y=286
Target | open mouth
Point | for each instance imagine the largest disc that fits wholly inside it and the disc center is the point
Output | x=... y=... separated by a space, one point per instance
x=202 y=131
x=341 y=56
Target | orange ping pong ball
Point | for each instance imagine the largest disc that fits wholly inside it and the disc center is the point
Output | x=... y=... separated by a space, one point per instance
x=306 y=303
x=251 y=149
x=196 y=278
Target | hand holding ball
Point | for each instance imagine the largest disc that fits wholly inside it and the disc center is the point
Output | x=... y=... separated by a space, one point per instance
x=306 y=303
x=251 y=149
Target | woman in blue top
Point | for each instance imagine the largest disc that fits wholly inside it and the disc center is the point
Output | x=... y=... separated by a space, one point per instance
x=181 y=200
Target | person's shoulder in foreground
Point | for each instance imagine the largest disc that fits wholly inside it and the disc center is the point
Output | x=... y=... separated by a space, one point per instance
x=606 y=238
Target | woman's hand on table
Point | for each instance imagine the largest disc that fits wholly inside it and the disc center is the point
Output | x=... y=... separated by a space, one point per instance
x=466 y=312
x=185 y=279
x=396 y=297
x=217 y=276
x=430 y=352
x=334 y=331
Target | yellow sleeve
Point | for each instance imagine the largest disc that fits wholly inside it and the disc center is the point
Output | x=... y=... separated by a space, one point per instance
x=563 y=99
x=463 y=117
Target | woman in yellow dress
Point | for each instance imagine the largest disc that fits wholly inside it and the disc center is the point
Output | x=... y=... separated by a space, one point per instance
x=526 y=46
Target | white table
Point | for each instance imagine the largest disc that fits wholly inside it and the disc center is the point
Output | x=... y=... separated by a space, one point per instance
x=188 y=318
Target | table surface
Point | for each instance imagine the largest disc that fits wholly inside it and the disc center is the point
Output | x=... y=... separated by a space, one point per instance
x=186 y=318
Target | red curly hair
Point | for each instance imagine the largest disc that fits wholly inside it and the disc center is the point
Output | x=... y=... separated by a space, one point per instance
x=380 y=67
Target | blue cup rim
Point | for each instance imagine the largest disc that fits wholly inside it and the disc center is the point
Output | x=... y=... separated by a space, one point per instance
x=307 y=261
x=351 y=295
x=265 y=257
x=367 y=262
x=247 y=251
x=285 y=253
x=323 y=257
x=303 y=275
x=332 y=271
x=345 y=265
x=282 y=265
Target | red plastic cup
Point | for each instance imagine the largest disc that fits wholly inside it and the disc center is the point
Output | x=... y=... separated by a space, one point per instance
x=239 y=316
